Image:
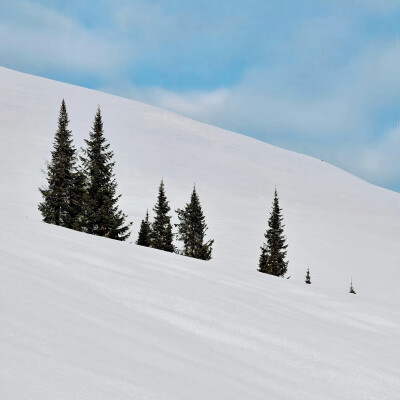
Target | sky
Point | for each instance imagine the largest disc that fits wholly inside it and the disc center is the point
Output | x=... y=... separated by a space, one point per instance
x=317 y=77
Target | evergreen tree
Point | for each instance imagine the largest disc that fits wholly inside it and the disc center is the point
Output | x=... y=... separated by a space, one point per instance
x=308 y=277
x=192 y=229
x=144 y=238
x=162 y=236
x=352 y=291
x=273 y=252
x=63 y=191
x=78 y=200
x=102 y=216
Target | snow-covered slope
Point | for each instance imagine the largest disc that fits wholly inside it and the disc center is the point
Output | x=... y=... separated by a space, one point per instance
x=89 y=318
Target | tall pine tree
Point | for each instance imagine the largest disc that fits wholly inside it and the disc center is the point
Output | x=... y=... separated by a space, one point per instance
x=65 y=185
x=102 y=215
x=162 y=236
x=273 y=252
x=144 y=238
x=192 y=230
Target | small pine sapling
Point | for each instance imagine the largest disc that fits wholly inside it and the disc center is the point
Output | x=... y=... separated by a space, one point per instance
x=352 y=291
x=308 y=277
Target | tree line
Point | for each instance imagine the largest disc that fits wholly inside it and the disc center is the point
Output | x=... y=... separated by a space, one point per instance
x=81 y=194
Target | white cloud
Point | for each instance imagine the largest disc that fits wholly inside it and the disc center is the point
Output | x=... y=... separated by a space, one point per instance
x=38 y=38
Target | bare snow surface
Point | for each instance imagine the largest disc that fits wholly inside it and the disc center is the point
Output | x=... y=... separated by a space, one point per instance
x=87 y=318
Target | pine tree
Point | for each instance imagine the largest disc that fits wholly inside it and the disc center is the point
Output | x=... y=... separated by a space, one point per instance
x=352 y=291
x=78 y=199
x=102 y=216
x=62 y=194
x=308 y=277
x=162 y=236
x=144 y=238
x=273 y=252
x=192 y=229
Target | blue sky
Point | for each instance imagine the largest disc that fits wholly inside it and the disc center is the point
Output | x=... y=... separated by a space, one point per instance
x=318 y=77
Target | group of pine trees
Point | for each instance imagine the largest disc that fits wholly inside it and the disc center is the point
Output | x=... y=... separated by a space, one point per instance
x=191 y=228
x=81 y=191
x=273 y=252
x=81 y=194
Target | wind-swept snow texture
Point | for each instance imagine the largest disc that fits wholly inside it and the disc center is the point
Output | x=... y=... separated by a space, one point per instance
x=87 y=318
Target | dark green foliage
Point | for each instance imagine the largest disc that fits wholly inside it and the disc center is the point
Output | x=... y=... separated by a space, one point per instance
x=78 y=199
x=192 y=229
x=162 y=236
x=352 y=291
x=273 y=252
x=102 y=216
x=62 y=196
x=308 y=277
x=144 y=238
